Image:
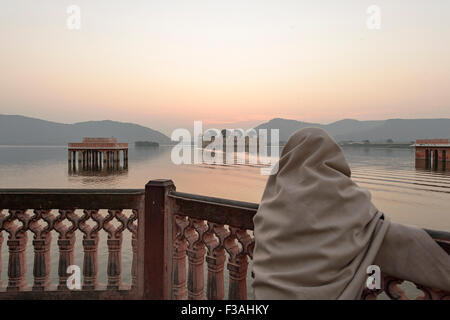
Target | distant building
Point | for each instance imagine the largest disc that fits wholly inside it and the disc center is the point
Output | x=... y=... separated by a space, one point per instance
x=432 y=150
x=97 y=153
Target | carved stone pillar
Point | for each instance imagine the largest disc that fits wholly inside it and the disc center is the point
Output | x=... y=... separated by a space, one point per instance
x=238 y=273
x=215 y=288
x=17 y=263
x=65 y=260
x=196 y=258
x=132 y=227
x=134 y=246
x=179 y=269
x=41 y=244
x=90 y=245
x=17 y=242
x=66 y=241
x=114 y=243
x=114 y=263
x=41 y=269
x=215 y=259
x=90 y=263
x=1 y=242
x=238 y=263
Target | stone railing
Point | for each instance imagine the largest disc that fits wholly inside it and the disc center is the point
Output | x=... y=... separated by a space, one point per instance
x=176 y=239
x=65 y=212
x=217 y=231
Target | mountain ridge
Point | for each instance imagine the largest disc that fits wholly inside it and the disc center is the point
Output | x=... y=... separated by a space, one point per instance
x=399 y=130
x=22 y=130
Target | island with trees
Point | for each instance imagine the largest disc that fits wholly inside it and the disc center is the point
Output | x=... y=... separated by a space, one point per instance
x=146 y=144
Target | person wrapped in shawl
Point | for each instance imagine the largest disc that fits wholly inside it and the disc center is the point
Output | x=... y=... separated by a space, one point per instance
x=316 y=231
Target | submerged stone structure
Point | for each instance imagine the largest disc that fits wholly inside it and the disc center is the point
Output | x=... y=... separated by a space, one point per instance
x=432 y=152
x=97 y=153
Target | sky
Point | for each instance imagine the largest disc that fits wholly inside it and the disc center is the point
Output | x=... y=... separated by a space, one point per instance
x=164 y=64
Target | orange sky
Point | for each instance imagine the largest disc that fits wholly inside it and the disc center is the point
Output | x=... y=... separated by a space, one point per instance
x=165 y=64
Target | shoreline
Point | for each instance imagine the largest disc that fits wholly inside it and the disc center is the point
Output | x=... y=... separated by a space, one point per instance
x=379 y=145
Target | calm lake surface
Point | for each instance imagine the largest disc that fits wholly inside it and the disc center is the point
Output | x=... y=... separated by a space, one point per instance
x=407 y=194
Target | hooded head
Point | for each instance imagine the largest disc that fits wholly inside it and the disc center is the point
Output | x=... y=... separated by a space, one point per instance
x=304 y=144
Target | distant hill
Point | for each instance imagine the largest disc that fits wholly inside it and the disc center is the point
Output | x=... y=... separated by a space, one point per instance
x=20 y=130
x=399 y=130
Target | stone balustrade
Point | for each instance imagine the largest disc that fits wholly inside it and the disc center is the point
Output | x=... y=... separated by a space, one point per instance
x=61 y=212
x=178 y=241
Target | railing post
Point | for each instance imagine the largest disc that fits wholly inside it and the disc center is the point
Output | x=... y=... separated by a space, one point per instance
x=158 y=226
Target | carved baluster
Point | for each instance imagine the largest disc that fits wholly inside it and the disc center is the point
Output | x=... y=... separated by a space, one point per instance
x=369 y=294
x=432 y=294
x=2 y=218
x=238 y=263
x=17 y=242
x=16 y=263
x=250 y=249
x=196 y=257
x=90 y=245
x=114 y=263
x=179 y=258
x=41 y=243
x=132 y=227
x=392 y=289
x=391 y=286
x=247 y=244
x=90 y=263
x=66 y=241
x=114 y=247
x=1 y=243
x=215 y=260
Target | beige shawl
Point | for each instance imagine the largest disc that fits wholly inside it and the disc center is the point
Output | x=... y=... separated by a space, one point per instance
x=316 y=231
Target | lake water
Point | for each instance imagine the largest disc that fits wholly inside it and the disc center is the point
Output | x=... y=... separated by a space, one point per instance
x=407 y=194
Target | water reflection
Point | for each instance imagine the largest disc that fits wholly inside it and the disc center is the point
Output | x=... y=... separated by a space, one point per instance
x=435 y=166
x=98 y=171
